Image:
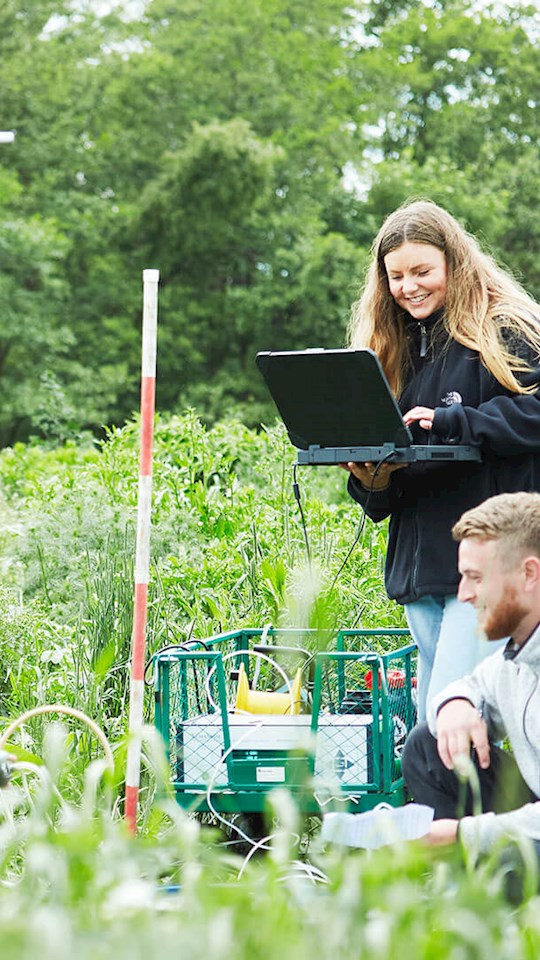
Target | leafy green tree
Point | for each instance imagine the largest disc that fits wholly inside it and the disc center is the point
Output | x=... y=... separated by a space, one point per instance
x=256 y=132
x=453 y=118
x=56 y=375
x=210 y=139
x=450 y=78
x=226 y=241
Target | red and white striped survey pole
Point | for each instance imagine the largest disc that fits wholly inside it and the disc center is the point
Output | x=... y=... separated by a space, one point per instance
x=142 y=550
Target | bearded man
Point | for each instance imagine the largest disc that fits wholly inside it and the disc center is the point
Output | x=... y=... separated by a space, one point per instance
x=499 y=564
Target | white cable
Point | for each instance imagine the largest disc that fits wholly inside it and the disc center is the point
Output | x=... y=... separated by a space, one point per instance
x=313 y=873
x=260 y=845
x=70 y=712
x=323 y=803
x=213 y=776
x=250 y=653
x=256 y=844
x=311 y=869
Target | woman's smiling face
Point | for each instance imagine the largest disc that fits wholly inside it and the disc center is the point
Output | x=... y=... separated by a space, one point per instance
x=417 y=278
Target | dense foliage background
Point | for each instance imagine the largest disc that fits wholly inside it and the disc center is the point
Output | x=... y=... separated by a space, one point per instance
x=249 y=151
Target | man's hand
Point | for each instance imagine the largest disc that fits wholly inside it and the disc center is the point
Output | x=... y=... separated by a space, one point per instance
x=441 y=833
x=460 y=726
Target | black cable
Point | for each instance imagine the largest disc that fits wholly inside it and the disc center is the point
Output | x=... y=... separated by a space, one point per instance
x=362 y=523
x=383 y=460
x=296 y=491
x=185 y=646
x=343 y=564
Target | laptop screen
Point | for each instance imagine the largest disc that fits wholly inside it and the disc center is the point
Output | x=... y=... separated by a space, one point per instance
x=333 y=398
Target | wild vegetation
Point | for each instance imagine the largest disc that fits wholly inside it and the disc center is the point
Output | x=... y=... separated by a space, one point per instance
x=249 y=151
x=229 y=549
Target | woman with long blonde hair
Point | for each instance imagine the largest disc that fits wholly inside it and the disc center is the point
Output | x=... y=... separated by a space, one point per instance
x=459 y=341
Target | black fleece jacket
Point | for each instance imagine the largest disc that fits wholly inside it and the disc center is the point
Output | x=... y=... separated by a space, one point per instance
x=424 y=500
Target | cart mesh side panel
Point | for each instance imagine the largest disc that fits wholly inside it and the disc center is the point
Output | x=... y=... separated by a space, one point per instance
x=358 y=707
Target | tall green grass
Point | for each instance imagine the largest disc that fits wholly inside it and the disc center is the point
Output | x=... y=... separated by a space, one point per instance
x=228 y=550
x=73 y=884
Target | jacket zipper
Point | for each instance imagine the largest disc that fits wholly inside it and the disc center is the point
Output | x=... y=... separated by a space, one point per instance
x=423 y=353
x=423 y=339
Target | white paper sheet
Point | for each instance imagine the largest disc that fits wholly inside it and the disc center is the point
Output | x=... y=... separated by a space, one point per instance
x=375 y=828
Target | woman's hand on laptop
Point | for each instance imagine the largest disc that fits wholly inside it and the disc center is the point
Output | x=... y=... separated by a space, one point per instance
x=372 y=476
x=423 y=416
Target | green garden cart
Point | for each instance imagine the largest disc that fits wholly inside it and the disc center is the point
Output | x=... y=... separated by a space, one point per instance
x=244 y=712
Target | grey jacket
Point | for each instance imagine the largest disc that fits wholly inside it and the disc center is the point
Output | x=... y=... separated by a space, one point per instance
x=507 y=694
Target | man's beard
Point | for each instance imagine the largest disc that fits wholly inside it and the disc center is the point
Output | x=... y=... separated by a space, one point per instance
x=504 y=618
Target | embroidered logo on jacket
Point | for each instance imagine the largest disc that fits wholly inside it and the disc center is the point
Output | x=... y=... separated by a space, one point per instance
x=452 y=397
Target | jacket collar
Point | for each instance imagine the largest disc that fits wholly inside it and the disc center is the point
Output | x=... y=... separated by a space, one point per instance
x=428 y=323
x=528 y=652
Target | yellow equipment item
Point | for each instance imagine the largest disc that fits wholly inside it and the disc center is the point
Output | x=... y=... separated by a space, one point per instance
x=262 y=701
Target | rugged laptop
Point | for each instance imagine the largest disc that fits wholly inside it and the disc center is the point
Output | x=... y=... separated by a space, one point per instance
x=337 y=406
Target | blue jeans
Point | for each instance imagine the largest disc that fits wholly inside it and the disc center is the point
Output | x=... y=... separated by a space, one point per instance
x=449 y=643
